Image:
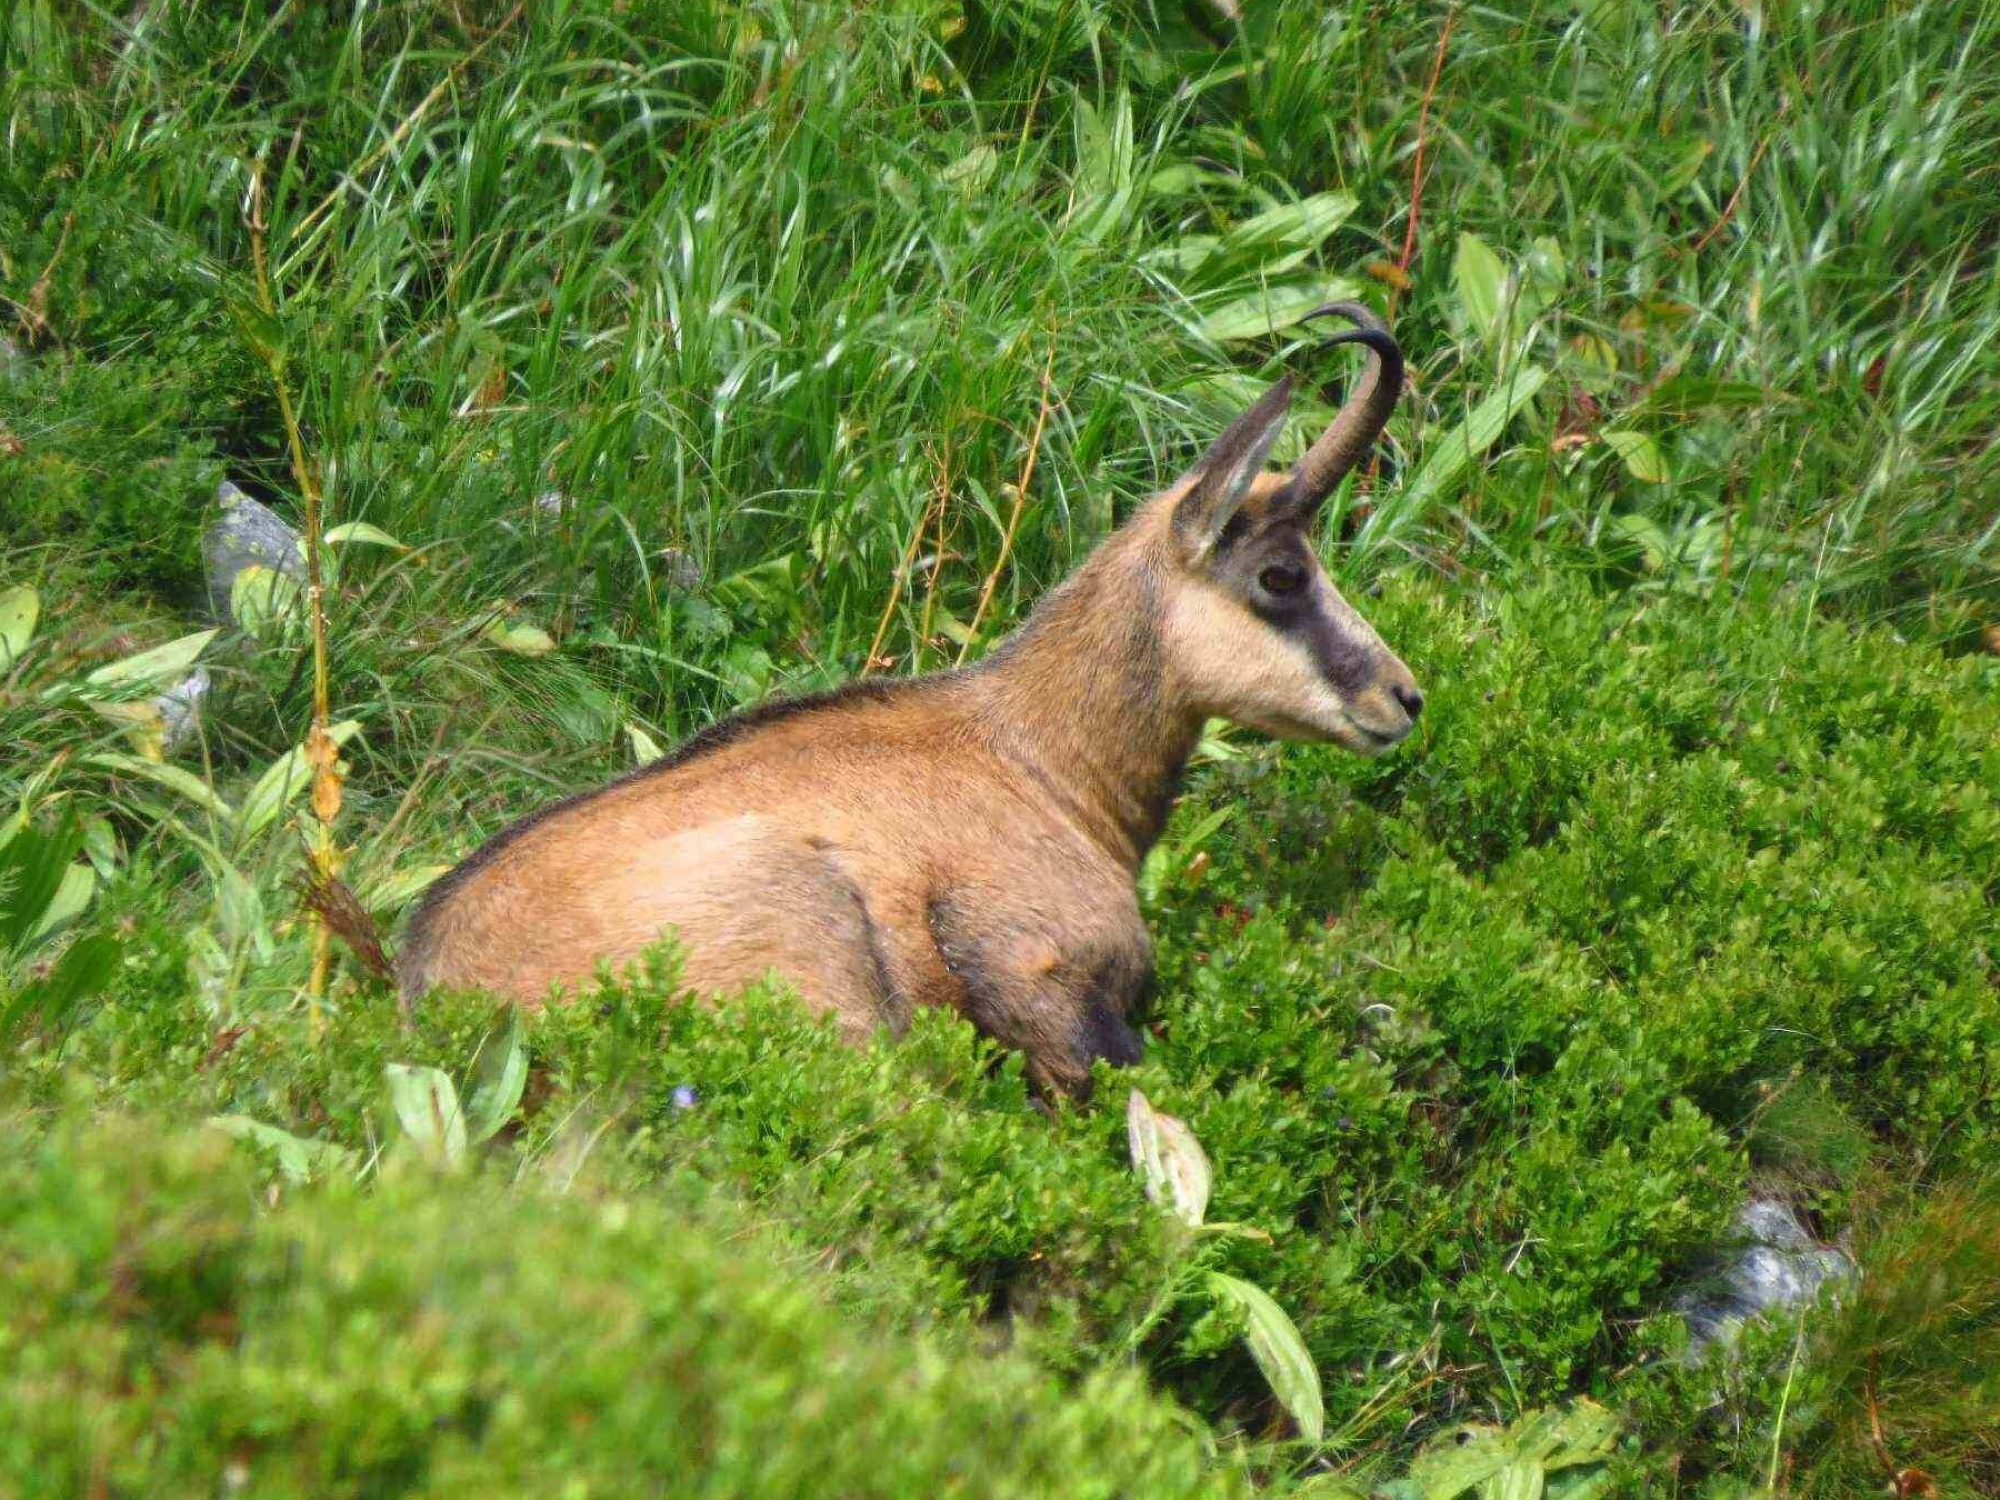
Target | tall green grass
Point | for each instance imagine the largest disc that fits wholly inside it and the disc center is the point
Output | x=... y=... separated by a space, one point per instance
x=714 y=340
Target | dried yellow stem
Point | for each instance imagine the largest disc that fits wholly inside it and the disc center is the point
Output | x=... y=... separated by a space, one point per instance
x=322 y=755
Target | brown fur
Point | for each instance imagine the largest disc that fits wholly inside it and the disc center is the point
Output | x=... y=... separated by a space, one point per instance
x=967 y=839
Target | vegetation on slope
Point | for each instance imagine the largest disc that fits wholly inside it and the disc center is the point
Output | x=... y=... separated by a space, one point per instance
x=683 y=353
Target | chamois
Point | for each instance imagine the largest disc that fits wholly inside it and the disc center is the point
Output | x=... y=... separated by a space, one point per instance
x=968 y=838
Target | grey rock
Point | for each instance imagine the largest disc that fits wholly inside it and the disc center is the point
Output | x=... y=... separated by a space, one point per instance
x=1768 y=1221
x=180 y=709
x=678 y=569
x=245 y=534
x=1776 y=1264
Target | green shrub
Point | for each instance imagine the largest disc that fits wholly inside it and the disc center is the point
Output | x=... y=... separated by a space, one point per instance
x=168 y=1336
x=1486 y=1036
x=1487 y=1089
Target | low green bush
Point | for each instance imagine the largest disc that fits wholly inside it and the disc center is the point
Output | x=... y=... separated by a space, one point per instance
x=167 y=1335
x=1490 y=1087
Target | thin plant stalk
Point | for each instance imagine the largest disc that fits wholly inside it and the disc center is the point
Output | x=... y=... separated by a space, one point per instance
x=322 y=849
x=1020 y=501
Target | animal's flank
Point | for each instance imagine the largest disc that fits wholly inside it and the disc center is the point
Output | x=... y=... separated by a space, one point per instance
x=724 y=732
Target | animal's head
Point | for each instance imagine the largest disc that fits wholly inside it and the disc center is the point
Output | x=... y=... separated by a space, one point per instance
x=1254 y=629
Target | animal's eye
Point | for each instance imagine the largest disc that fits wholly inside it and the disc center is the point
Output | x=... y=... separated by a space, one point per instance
x=1281 y=579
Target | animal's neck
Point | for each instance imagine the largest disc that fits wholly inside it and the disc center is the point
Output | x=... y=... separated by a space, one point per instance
x=1081 y=698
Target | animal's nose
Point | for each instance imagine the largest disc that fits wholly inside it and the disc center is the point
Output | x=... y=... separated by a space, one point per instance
x=1411 y=697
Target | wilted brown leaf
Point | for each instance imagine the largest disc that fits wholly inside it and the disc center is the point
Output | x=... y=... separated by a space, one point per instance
x=1389 y=272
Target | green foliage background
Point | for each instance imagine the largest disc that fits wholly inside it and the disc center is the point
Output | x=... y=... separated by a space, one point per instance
x=710 y=339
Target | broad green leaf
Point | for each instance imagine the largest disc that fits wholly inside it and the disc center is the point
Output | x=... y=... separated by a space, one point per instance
x=158 y=664
x=1543 y=273
x=1512 y=1464
x=1580 y=1483
x=259 y=595
x=1184 y=178
x=282 y=780
x=1184 y=255
x=1169 y=1160
x=1520 y=1480
x=1229 y=1229
x=1455 y=1461
x=1328 y=1487
x=299 y=1157
x=73 y=893
x=84 y=970
x=1105 y=184
x=771 y=584
x=521 y=640
x=173 y=778
x=645 y=749
x=20 y=609
x=1279 y=1351
x=398 y=886
x=499 y=1074
x=34 y=865
x=972 y=171
x=746 y=672
x=1580 y=1433
x=427 y=1106
x=361 y=531
x=1547 y=266
x=1273 y=309
x=1478 y=432
x=1642 y=456
x=953 y=628
x=1214 y=744
x=260 y=331
x=1297 y=226
x=1643 y=532
x=1481 y=281
x=144 y=726
x=239 y=907
x=100 y=843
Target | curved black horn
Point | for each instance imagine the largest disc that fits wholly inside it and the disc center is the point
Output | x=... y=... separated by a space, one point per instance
x=1358 y=423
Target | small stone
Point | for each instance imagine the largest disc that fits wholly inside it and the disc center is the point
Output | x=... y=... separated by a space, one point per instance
x=1778 y=1264
x=679 y=570
x=551 y=502
x=245 y=534
x=180 y=709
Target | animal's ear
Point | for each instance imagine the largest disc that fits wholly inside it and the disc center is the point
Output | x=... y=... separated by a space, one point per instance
x=1223 y=476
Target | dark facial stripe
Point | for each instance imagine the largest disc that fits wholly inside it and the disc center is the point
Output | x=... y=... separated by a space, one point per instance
x=1347 y=664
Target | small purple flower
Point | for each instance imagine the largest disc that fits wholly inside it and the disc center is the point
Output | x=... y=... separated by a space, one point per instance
x=685 y=1097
